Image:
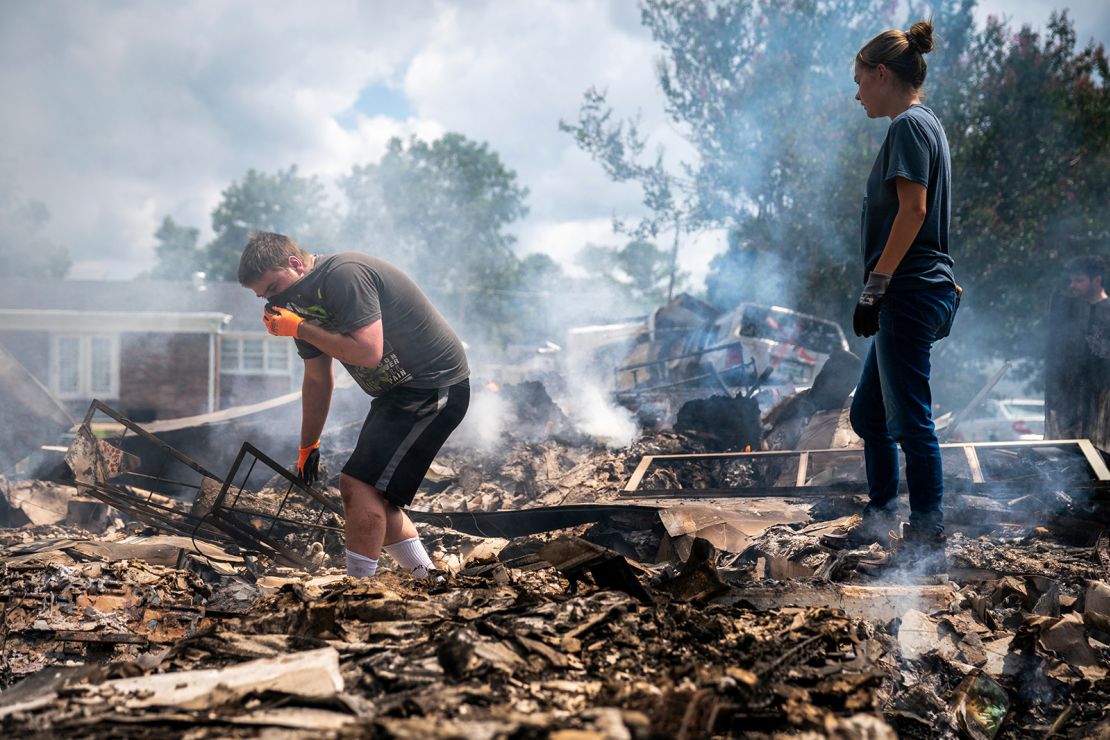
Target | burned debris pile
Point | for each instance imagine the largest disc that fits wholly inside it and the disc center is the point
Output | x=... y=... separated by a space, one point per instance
x=480 y=659
x=588 y=592
x=543 y=473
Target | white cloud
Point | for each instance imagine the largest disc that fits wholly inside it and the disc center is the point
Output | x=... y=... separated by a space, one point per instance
x=1091 y=17
x=122 y=113
x=508 y=72
x=696 y=251
x=128 y=113
x=564 y=238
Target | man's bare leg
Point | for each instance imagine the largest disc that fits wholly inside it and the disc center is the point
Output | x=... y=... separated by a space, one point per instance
x=398 y=526
x=366 y=517
x=371 y=523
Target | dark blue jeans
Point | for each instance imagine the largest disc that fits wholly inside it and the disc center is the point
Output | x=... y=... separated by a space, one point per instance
x=893 y=403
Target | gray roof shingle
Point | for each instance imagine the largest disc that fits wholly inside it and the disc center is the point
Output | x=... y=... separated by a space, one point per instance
x=135 y=295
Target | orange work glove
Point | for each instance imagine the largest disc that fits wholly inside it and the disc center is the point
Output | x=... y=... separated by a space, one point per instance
x=281 y=322
x=308 y=462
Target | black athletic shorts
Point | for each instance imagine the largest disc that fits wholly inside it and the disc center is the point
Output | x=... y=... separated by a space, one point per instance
x=401 y=436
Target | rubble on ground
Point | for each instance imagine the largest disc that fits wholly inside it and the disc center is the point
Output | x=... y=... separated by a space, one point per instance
x=546 y=473
x=726 y=617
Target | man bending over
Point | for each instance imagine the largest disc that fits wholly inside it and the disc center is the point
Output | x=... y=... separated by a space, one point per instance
x=373 y=318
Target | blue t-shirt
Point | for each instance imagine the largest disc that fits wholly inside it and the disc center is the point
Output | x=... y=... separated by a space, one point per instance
x=916 y=149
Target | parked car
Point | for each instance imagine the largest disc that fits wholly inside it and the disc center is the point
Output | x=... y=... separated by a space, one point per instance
x=1001 y=420
x=688 y=348
x=793 y=344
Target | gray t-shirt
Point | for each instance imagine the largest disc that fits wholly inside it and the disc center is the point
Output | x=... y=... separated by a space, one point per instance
x=916 y=149
x=346 y=291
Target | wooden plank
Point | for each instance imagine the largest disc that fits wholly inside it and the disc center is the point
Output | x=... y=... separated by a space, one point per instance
x=1020 y=443
x=850 y=489
x=638 y=474
x=750 y=492
x=754 y=454
x=1098 y=467
x=312 y=674
x=803 y=468
x=859 y=450
x=1094 y=459
x=973 y=463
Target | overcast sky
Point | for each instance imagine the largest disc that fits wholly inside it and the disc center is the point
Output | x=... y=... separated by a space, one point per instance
x=119 y=113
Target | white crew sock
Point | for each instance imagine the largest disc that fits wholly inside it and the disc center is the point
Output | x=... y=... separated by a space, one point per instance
x=411 y=556
x=360 y=566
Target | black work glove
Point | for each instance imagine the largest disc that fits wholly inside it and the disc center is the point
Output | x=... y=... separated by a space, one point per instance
x=308 y=463
x=865 y=320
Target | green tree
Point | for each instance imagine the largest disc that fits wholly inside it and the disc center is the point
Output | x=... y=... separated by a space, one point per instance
x=284 y=201
x=763 y=94
x=176 y=251
x=1031 y=157
x=25 y=250
x=441 y=210
x=639 y=271
x=537 y=285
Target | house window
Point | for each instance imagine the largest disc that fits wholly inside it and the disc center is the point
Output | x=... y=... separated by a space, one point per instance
x=255 y=355
x=252 y=354
x=84 y=366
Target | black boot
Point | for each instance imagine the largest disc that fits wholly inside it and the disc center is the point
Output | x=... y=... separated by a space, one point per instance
x=916 y=557
x=920 y=551
x=875 y=526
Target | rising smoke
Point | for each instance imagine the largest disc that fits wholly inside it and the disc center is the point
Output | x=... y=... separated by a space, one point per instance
x=807 y=129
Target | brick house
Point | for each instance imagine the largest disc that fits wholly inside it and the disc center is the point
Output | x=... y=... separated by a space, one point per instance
x=154 y=349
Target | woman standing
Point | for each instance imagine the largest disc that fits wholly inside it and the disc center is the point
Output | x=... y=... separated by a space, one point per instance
x=910 y=296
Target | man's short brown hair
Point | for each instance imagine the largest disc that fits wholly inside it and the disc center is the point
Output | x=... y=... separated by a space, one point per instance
x=266 y=251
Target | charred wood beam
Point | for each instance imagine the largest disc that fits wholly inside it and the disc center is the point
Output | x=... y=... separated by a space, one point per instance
x=523 y=522
x=1082 y=449
x=1098 y=490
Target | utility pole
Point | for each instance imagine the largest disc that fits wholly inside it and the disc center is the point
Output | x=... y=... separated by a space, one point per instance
x=674 y=259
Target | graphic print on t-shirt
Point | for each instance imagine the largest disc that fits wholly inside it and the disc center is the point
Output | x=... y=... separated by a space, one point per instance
x=374 y=380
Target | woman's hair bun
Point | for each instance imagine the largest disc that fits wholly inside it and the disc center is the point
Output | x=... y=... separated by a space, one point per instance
x=920 y=36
